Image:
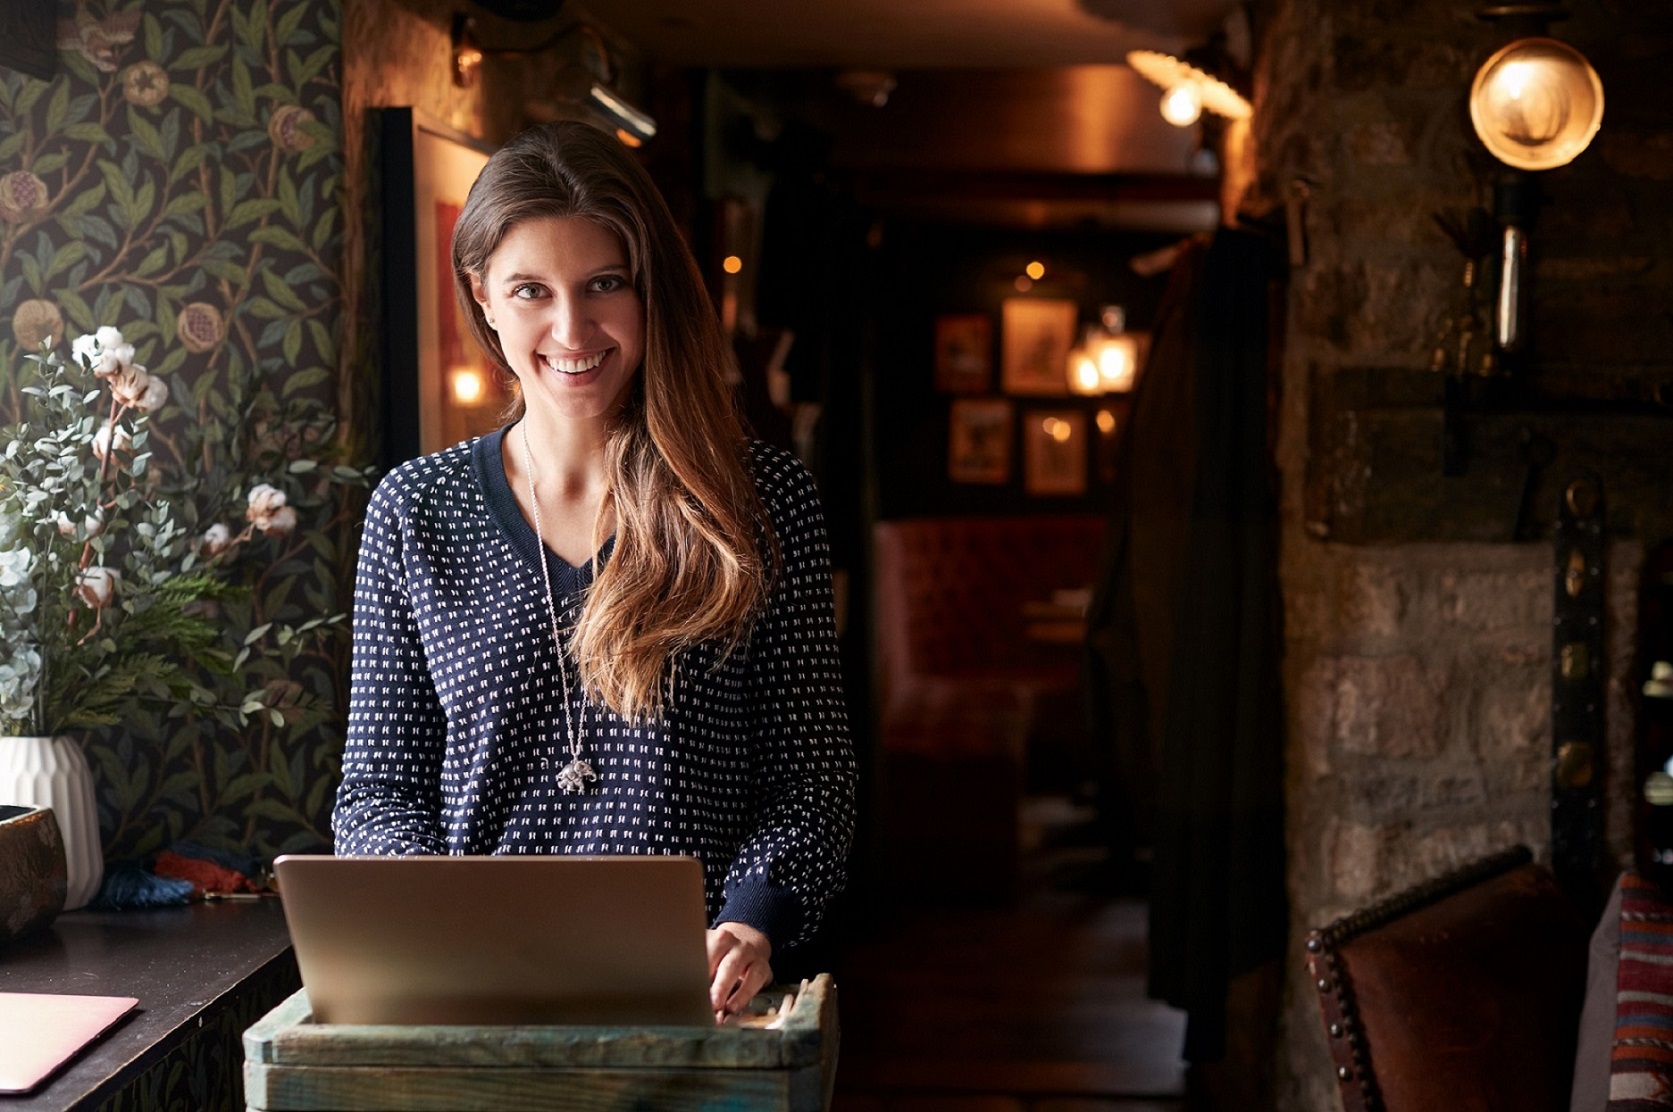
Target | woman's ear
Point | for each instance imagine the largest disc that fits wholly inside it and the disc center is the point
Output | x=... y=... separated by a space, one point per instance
x=479 y=294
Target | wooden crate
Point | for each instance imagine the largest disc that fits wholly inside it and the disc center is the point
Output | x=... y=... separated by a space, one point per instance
x=292 y=1064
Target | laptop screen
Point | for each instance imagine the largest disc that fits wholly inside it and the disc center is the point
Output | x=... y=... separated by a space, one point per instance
x=507 y=939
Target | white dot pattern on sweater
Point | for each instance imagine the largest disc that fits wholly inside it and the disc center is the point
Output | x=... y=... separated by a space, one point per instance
x=456 y=734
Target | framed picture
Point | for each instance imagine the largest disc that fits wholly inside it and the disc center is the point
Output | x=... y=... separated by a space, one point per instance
x=439 y=387
x=1036 y=334
x=979 y=440
x=964 y=353
x=1054 y=451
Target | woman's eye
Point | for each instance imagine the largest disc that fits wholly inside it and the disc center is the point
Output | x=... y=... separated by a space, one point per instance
x=526 y=291
x=609 y=283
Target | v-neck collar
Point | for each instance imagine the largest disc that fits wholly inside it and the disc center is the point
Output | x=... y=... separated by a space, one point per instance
x=489 y=467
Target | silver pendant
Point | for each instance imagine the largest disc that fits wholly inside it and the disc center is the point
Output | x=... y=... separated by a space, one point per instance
x=573 y=777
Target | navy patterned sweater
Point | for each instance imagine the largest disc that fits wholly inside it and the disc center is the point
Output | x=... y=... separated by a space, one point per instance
x=456 y=715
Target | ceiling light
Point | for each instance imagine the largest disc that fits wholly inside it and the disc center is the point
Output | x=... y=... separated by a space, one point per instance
x=1171 y=73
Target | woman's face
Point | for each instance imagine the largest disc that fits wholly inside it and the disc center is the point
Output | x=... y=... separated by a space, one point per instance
x=559 y=293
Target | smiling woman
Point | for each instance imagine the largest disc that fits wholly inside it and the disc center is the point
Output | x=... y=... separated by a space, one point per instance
x=607 y=627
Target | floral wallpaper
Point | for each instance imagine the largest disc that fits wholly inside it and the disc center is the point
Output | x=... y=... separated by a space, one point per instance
x=181 y=179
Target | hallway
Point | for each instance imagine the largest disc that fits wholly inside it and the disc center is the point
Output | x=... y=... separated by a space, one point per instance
x=1034 y=1007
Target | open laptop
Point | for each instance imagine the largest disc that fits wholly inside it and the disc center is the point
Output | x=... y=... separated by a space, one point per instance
x=515 y=939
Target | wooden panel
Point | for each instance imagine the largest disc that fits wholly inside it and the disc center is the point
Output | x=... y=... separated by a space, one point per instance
x=1375 y=464
x=464 y=1089
x=292 y=1063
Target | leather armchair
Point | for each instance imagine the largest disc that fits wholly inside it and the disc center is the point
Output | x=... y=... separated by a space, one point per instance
x=1463 y=993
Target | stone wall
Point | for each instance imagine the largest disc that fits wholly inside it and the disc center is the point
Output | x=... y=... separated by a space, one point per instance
x=1417 y=671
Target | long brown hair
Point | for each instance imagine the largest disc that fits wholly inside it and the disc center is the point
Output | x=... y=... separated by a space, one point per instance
x=687 y=566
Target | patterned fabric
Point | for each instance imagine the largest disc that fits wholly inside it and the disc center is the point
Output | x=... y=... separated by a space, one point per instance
x=1641 y=1064
x=456 y=711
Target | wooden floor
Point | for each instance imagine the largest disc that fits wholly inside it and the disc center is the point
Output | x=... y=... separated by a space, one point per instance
x=1034 y=1007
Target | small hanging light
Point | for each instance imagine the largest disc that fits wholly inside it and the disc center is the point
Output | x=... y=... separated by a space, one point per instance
x=1184 y=82
x=1107 y=360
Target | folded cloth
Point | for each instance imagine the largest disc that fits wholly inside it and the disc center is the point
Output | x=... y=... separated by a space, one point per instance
x=180 y=875
x=207 y=877
x=1641 y=1063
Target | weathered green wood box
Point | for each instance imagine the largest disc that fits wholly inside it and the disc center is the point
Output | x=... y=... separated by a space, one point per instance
x=292 y=1064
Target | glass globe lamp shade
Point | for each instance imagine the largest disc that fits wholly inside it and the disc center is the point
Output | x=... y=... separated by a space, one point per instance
x=1181 y=106
x=1536 y=104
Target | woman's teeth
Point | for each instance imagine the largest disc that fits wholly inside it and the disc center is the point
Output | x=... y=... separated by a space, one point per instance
x=574 y=366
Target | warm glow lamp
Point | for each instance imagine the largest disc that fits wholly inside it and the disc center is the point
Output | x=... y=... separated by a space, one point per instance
x=1181 y=106
x=467 y=385
x=1107 y=361
x=1185 y=85
x=1536 y=104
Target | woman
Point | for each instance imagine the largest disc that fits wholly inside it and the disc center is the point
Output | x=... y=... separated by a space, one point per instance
x=606 y=628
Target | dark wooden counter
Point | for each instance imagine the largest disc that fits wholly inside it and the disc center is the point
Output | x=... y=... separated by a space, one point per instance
x=201 y=973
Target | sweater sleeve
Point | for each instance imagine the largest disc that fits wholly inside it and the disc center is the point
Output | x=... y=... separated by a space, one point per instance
x=389 y=801
x=795 y=858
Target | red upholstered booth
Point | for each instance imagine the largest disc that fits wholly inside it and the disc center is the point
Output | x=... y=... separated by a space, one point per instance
x=978 y=663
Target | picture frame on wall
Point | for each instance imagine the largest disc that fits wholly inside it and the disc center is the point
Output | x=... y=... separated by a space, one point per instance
x=964 y=353
x=1036 y=334
x=439 y=388
x=979 y=440
x=1054 y=452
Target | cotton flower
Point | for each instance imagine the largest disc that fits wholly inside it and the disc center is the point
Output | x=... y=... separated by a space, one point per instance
x=97 y=585
x=155 y=395
x=279 y=523
x=215 y=540
x=133 y=385
x=104 y=353
x=268 y=511
x=92 y=525
x=112 y=437
x=263 y=499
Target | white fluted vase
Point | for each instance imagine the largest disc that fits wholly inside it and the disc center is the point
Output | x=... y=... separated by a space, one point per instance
x=53 y=772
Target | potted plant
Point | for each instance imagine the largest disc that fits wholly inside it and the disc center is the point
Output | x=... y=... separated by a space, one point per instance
x=107 y=599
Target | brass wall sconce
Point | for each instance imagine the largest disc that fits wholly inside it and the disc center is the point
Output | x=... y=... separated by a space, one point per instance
x=1535 y=105
x=578 y=86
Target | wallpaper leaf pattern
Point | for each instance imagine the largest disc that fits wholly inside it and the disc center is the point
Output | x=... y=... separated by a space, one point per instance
x=181 y=179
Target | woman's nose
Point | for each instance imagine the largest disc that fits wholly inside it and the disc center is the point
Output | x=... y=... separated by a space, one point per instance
x=572 y=325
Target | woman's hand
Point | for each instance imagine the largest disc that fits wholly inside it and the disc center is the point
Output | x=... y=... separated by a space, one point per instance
x=738 y=968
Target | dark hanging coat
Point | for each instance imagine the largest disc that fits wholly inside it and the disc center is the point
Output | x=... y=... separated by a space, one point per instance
x=1185 y=631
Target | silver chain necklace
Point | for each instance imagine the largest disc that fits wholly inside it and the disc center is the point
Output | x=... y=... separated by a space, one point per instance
x=574 y=776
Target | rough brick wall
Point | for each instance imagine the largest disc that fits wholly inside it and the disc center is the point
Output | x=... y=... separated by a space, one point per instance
x=1418 y=674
